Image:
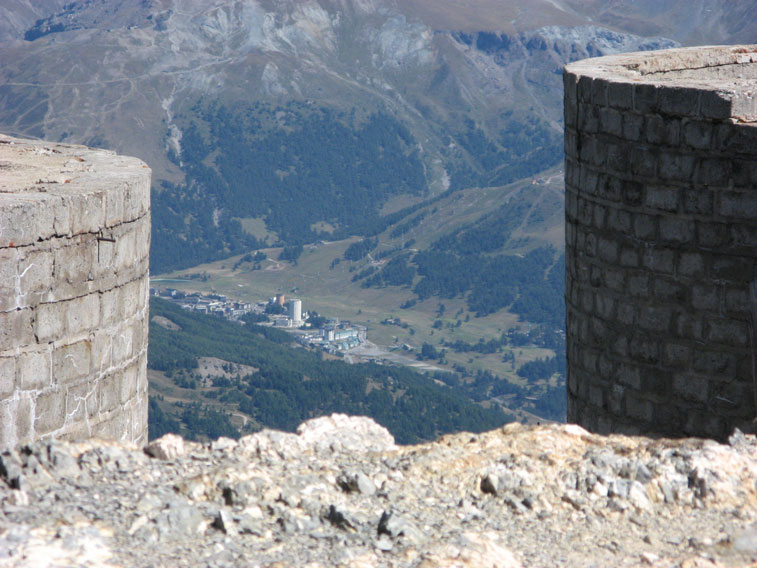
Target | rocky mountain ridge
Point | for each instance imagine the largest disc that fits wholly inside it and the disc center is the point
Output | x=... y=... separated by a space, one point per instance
x=341 y=493
x=477 y=105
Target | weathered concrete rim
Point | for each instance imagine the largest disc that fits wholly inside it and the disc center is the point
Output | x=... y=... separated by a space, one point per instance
x=650 y=72
x=62 y=190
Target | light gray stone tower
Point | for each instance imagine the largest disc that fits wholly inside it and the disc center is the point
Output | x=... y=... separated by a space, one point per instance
x=74 y=244
x=661 y=241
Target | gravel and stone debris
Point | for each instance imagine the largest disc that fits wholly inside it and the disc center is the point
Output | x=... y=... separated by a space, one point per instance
x=339 y=492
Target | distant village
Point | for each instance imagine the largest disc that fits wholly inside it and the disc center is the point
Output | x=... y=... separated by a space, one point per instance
x=310 y=329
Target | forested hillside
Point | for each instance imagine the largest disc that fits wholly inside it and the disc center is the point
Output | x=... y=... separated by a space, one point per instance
x=292 y=384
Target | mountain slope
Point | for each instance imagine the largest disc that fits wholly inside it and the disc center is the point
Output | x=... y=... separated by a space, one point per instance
x=460 y=103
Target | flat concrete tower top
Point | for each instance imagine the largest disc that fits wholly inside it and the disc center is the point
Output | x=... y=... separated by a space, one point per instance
x=703 y=82
x=55 y=189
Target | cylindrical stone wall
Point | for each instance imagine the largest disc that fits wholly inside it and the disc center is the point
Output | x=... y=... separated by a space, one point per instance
x=661 y=241
x=74 y=243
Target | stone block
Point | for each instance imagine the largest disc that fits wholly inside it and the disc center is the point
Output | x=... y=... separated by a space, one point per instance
x=633 y=193
x=644 y=226
x=659 y=260
x=676 y=355
x=662 y=198
x=737 y=300
x=711 y=235
x=677 y=230
x=614 y=279
x=126 y=251
x=738 y=205
x=654 y=318
x=111 y=312
x=738 y=270
x=639 y=408
x=7 y=376
x=112 y=427
x=735 y=139
x=588 y=181
x=697 y=134
x=35 y=269
x=81 y=403
x=605 y=366
x=589 y=244
x=711 y=362
x=691 y=264
x=15 y=416
x=611 y=121
x=627 y=313
x=676 y=167
x=619 y=220
x=620 y=95
x=49 y=412
x=102 y=351
x=599 y=92
x=644 y=349
x=82 y=314
x=88 y=212
x=744 y=106
x=633 y=127
x=690 y=387
x=608 y=250
x=50 y=322
x=715 y=104
x=645 y=98
x=744 y=173
x=74 y=263
x=610 y=188
x=583 y=89
x=629 y=257
x=705 y=297
x=698 y=202
x=72 y=362
x=16 y=329
x=629 y=376
x=597 y=397
x=669 y=290
x=679 y=101
x=109 y=391
x=727 y=332
x=618 y=158
x=643 y=163
x=8 y=278
x=127 y=387
x=34 y=370
x=600 y=214
x=689 y=326
x=714 y=172
x=570 y=145
x=661 y=131
x=620 y=346
x=123 y=346
x=638 y=286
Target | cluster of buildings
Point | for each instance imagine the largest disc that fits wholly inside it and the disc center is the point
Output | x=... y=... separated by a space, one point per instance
x=208 y=304
x=337 y=336
x=332 y=336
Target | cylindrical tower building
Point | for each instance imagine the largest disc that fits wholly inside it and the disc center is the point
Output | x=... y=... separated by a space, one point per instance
x=74 y=245
x=295 y=310
x=661 y=241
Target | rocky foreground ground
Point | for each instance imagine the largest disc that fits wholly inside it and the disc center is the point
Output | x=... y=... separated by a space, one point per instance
x=340 y=493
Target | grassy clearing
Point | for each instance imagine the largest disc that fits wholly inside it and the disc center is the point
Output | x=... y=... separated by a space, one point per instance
x=321 y=278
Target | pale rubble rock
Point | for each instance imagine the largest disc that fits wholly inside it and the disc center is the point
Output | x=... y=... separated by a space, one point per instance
x=340 y=432
x=471 y=551
x=168 y=447
x=518 y=496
